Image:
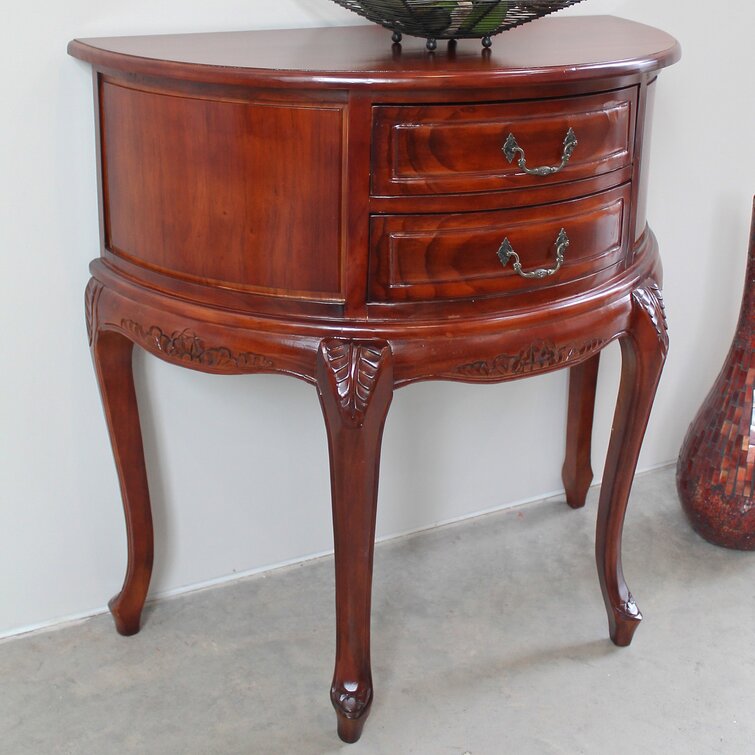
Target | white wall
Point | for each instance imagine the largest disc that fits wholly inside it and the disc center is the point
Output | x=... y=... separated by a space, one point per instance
x=238 y=466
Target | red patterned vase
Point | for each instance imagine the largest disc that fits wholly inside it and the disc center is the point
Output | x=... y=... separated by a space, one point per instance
x=715 y=475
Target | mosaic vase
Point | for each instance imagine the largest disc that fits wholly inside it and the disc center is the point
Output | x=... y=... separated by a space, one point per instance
x=715 y=474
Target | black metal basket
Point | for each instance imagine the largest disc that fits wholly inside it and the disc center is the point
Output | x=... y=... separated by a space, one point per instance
x=452 y=19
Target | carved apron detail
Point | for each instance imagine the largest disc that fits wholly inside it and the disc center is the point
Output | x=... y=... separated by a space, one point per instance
x=539 y=355
x=186 y=346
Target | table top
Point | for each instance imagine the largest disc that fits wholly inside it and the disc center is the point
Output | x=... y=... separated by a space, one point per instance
x=550 y=49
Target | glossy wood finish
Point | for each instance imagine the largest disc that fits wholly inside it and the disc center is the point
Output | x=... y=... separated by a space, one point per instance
x=577 y=470
x=643 y=350
x=437 y=149
x=225 y=160
x=355 y=384
x=559 y=50
x=434 y=257
x=111 y=353
x=242 y=233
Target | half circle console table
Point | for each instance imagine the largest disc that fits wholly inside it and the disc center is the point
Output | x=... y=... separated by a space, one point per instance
x=318 y=204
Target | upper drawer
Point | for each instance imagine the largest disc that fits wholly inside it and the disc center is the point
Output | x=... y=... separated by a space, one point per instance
x=458 y=149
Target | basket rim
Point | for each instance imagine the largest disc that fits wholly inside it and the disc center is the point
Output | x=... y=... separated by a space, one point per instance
x=408 y=24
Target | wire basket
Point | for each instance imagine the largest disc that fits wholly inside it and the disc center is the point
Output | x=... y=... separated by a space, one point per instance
x=452 y=19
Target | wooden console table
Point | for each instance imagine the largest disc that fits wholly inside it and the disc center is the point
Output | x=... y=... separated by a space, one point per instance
x=318 y=204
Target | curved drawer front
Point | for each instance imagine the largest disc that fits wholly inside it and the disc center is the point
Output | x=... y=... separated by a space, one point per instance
x=439 y=149
x=432 y=257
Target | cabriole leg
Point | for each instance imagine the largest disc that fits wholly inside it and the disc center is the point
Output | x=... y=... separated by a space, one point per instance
x=577 y=470
x=111 y=353
x=643 y=350
x=355 y=385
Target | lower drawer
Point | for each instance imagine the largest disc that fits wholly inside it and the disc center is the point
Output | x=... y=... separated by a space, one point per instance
x=463 y=255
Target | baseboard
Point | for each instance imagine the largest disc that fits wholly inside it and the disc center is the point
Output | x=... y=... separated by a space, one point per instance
x=67 y=621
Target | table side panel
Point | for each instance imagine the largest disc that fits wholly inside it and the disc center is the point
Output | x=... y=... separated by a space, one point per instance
x=244 y=196
x=643 y=162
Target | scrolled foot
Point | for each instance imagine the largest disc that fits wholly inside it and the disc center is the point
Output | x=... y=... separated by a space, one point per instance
x=355 y=384
x=352 y=709
x=127 y=623
x=624 y=621
x=643 y=352
x=111 y=352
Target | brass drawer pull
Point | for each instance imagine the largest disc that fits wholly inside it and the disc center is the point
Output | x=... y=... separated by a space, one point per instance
x=511 y=147
x=506 y=252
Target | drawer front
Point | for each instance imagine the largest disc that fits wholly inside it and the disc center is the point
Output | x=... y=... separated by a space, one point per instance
x=442 y=257
x=438 y=149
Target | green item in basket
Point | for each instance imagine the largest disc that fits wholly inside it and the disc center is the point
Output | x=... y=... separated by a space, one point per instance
x=481 y=17
x=465 y=16
x=486 y=19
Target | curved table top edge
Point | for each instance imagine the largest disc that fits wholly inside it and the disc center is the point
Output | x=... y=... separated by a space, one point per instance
x=361 y=56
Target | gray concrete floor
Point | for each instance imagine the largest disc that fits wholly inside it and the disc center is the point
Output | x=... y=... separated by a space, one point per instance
x=489 y=637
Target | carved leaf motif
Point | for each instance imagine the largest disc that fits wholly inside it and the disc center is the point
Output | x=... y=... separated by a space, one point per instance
x=186 y=346
x=539 y=355
x=355 y=368
x=650 y=298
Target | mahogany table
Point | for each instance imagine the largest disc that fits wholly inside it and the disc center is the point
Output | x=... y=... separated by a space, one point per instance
x=320 y=204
